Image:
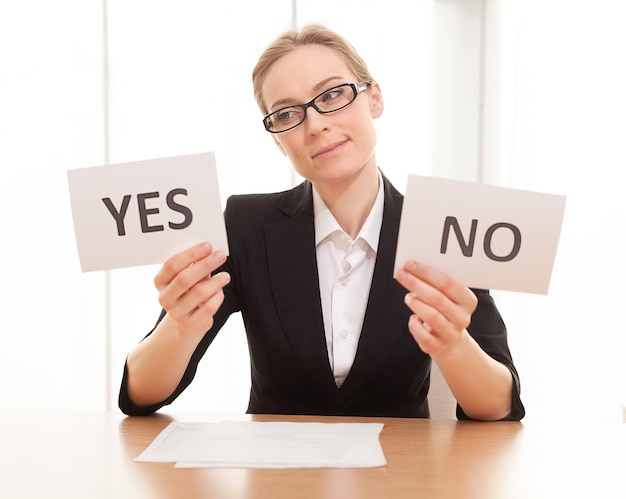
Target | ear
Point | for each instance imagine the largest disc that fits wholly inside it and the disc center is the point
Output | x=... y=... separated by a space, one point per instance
x=376 y=100
x=280 y=146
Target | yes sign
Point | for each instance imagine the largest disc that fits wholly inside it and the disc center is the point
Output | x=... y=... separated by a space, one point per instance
x=143 y=212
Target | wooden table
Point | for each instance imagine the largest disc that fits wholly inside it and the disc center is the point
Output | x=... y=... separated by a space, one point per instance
x=85 y=454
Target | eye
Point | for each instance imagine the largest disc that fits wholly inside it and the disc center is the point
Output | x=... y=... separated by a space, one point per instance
x=332 y=94
x=286 y=115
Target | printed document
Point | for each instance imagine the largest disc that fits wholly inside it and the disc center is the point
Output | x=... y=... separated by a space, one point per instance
x=249 y=444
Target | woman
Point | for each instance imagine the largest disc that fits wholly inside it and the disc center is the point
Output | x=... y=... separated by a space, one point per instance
x=330 y=329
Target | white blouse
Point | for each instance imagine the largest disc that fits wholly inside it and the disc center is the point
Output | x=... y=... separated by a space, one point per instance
x=345 y=271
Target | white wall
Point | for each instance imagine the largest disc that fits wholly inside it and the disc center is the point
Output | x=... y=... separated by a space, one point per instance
x=555 y=121
x=518 y=93
x=50 y=120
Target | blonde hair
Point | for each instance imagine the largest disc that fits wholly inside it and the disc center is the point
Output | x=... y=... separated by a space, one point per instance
x=312 y=34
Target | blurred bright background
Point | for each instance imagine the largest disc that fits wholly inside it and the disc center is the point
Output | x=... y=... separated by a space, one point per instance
x=527 y=94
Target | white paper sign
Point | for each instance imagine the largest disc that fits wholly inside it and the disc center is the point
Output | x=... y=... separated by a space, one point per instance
x=143 y=212
x=484 y=236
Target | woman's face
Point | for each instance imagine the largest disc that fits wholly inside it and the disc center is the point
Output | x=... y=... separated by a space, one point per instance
x=325 y=148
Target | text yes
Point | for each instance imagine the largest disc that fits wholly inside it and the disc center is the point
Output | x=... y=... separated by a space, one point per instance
x=144 y=211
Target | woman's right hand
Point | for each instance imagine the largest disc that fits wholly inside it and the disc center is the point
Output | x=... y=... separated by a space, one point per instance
x=188 y=292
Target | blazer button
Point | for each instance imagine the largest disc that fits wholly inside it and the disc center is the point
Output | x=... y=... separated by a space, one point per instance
x=338 y=410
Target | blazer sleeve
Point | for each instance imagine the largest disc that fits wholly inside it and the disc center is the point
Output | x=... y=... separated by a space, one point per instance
x=489 y=331
x=228 y=307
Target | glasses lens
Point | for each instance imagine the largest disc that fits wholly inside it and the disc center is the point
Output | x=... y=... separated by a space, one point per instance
x=284 y=119
x=335 y=98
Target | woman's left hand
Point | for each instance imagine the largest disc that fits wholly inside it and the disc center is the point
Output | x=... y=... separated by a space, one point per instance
x=442 y=307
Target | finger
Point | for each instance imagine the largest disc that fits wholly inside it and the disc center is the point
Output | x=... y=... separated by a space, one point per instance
x=214 y=301
x=201 y=294
x=200 y=318
x=180 y=261
x=428 y=314
x=189 y=277
x=451 y=288
x=446 y=320
x=198 y=271
x=425 y=337
x=432 y=304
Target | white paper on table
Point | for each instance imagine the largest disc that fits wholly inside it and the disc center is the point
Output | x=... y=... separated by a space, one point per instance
x=500 y=216
x=267 y=445
x=143 y=212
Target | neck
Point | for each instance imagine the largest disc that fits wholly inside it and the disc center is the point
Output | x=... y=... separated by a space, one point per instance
x=351 y=200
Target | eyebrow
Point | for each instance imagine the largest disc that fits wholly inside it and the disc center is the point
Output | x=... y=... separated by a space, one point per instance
x=317 y=88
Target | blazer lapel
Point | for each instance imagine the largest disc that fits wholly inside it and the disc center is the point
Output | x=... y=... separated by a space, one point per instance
x=290 y=245
x=386 y=315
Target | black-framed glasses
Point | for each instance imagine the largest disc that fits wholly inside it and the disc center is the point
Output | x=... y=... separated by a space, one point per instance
x=328 y=101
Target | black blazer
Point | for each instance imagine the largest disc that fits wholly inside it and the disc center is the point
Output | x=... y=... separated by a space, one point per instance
x=274 y=285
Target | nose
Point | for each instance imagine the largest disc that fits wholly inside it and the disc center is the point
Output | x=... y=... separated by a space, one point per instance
x=315 y=121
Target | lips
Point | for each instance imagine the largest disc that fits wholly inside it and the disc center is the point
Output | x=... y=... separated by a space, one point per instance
x=330 y=150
